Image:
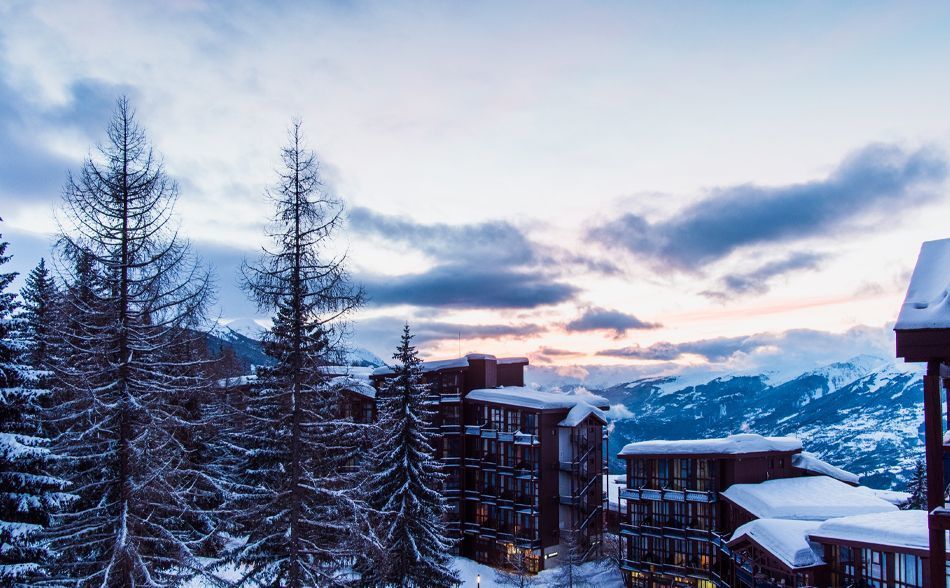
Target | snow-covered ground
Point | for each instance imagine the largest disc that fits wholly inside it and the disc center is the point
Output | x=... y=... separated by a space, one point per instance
x=596 y=574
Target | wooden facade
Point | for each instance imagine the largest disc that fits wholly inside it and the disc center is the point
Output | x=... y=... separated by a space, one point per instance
x=505 y=479
x=674 y=528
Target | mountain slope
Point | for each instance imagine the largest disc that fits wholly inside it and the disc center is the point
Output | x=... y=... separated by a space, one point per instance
x=864 y=415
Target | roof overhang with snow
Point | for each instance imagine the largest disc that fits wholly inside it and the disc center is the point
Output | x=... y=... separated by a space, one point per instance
x=899 y=530
x=809 y=498
x=786 y=540
x=923 y=325
x=537 y=399
x=745 y=444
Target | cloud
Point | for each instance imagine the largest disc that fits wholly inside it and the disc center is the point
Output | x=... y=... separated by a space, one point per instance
x=476 y=286
x=466 y=243
x=602 y=319
x=30 y=170
x=381 y=334
x=714 y=350
x=491 y=264
x=756 y=281
x=876 y=180
x=776 y=350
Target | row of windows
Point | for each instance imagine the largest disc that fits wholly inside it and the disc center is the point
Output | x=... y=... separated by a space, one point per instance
x=673 y=473
x=875 y=569
x=504 y=520
x=698 y=555
x=504 y=419
x=505 y=486
x=506 y=454
x=680 y=515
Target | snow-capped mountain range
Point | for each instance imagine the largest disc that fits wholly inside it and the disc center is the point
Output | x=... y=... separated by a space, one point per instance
x=244 y=337
x=864 y=415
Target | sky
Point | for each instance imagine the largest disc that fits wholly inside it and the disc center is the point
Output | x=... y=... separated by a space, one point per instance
x=612 y=190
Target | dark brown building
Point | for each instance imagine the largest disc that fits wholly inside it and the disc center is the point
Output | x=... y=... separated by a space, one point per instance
x=524 y=466
x=684 y=500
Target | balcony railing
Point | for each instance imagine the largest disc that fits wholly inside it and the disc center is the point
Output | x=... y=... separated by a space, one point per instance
x=489 y=433
x=666 y=494
x=473 y=429
x=525 y=439
x=450 y=397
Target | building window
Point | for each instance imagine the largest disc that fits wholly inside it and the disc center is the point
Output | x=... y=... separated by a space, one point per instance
x=514 y=420
x=875 y=572
x=530 y=423
x=908 y=570
x=662 y=473
x=680 y=479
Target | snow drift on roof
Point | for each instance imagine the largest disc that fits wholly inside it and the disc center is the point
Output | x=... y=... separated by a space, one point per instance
x=511 y=360
x=811 y=498
x=786 y=540
x=358 y=385
x=531 y=398
x=927 y=305
x=895 y=497
x=812 y=463
x=237 y=381
x=581 y=411
x=900 y=528
x=442 y=364
x=733 y=444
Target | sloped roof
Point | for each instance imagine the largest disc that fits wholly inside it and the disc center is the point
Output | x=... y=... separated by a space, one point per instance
x=927 y=303
x=733 y=444
x=810 y=498
x=787 y=540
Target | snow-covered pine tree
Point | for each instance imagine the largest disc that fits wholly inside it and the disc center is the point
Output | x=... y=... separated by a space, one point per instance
x=405 y=486
x=28 y=495
x=568 y=573
x=917 y=487
x=295 y=500
x=40 y=297
x=134 y=295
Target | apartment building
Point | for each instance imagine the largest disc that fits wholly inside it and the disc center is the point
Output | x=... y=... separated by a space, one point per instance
x=684 y=500
x=524 y=466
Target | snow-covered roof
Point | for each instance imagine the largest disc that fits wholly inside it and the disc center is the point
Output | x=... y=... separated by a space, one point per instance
x=531 y=398
x=346 y=370
x=900 y=528
x=786 y=540
x=236 y=381
x=809 y=498
x=895 y=497
x=511 y=360
x=927 y=304
x=357 y=385
x=581 y=411
x=733 y=444
x=442 y=364
x=812 y=463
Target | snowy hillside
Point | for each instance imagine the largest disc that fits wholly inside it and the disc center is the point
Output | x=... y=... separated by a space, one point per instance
x=864 y=415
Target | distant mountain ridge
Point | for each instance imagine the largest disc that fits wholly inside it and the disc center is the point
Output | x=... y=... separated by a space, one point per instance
x=864 y=415
x=245 y=341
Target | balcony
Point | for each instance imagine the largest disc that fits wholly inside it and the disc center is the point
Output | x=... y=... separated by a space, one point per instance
x=629 y=494
x=701 y=496
x=451 y=429
x=487 y=433
x=506 y=436
x=450 y=397
x=473 y=429
x=525 y=439
x=674 y=495
x=527 y=541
